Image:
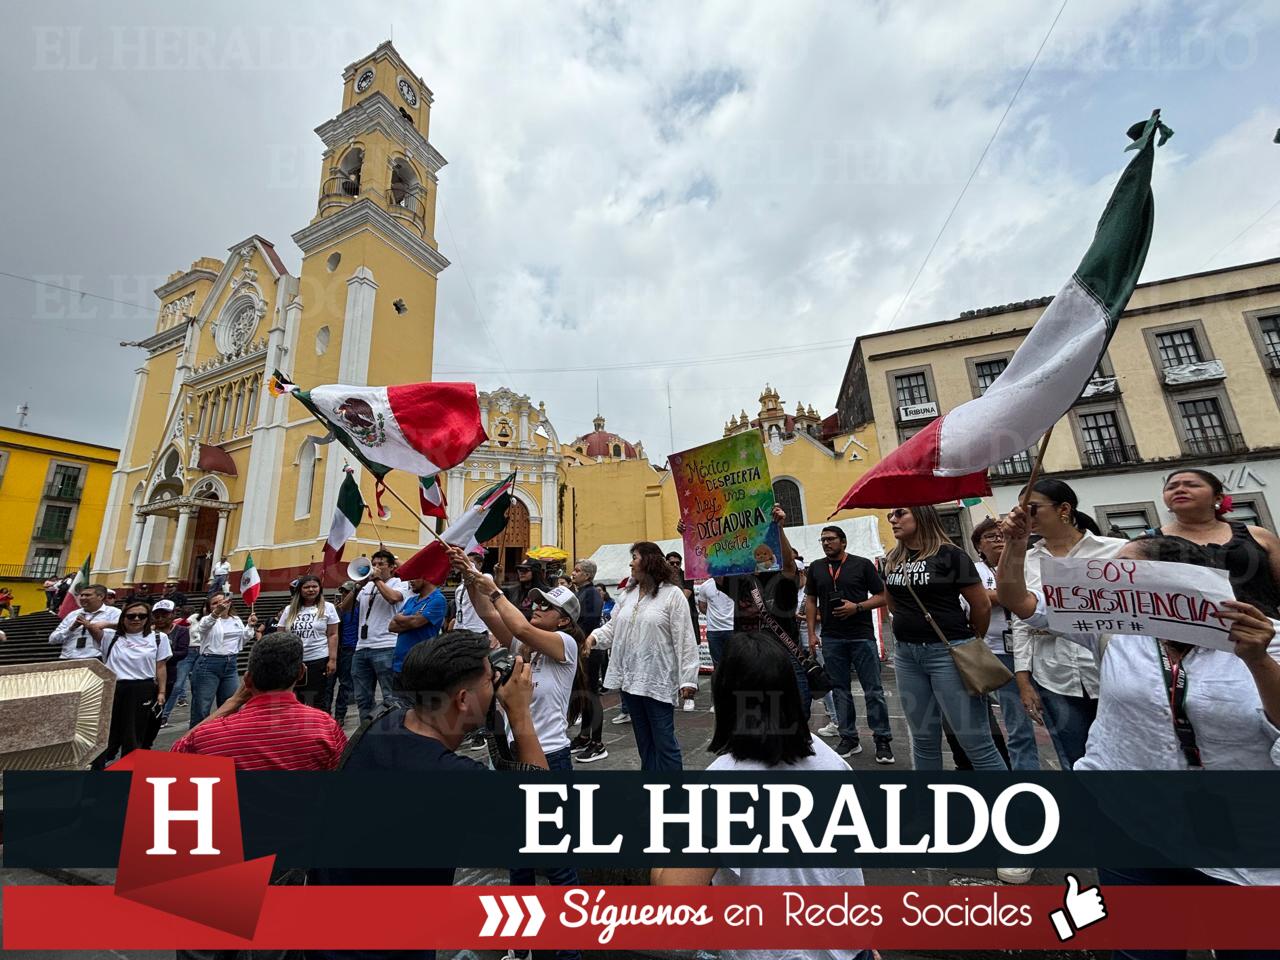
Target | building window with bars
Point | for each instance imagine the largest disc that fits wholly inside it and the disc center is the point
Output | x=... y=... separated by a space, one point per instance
x=55 y=523
x=1102 y=440
x=912 y=389
x=786 y=493
x=1204 y=428
x=66 y=481
x=46 y=563
x=1130 y=524
x=1178 y=347
x=986 y=372
x=1269 y=327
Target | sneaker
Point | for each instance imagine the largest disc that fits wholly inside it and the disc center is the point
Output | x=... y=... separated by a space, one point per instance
x=579 y=743
x=621 y=718
x=830 y=730
x=182 y=701
x=1014 y=874
x=517 y=955
x=594 y=751
x=478 y=742
x=848 y=746
x=884 y=752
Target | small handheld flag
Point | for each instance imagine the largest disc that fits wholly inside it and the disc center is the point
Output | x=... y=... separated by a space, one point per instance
x=250 y=584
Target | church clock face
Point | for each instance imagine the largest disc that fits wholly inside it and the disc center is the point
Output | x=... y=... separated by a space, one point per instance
x=406 y=90
x=363 y=81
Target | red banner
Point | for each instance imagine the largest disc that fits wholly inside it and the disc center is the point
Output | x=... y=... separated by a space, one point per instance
x=621 y=918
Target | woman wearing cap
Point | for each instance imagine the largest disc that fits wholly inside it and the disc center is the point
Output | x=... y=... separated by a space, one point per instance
x=551 y=642
x=314 y=620
x=136 y=654
x=653 y=655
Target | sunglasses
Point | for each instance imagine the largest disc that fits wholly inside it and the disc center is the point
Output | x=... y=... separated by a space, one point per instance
x=1033 y=507
x=828 y=539
x=897 y=514
x=134 y=616
x=542 y=607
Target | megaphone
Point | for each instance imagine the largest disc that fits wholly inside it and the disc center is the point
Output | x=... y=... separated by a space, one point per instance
x=359 y=569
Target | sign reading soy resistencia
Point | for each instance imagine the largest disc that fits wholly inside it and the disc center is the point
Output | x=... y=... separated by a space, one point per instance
x=1172 y=601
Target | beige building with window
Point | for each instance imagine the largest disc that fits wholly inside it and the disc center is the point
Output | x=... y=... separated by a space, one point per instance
x=1191 y=378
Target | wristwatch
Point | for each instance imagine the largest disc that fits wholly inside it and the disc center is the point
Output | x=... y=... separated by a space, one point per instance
x=494 y=597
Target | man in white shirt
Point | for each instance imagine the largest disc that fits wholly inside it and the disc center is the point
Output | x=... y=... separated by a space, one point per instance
x=221 y=571
x=80 y=631
x=377 y=601
x=718 y=608
x=466 y=617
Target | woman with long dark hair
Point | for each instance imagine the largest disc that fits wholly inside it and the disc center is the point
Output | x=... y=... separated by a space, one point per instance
x=926 y=575
x=761 y=726
x=1251 y=555
x=1058 y=679
x=530 y=576
x=314 y=620
x=136 y=654
x=653 y=655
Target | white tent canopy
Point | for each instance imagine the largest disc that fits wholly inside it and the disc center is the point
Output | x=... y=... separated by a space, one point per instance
x=613 y=560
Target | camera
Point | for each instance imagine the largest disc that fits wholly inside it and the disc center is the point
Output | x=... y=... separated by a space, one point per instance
x=503 y=664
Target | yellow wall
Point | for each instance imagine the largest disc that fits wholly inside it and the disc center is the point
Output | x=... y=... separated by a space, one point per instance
x=27 y=472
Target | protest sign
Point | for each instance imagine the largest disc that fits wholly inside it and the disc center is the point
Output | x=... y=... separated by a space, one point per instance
x=1154 y=598
x=726 y=503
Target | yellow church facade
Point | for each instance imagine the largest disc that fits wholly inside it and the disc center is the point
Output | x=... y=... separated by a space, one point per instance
x=212 y=464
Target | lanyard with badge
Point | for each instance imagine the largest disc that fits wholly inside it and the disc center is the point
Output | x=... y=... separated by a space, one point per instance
x=1175 y=682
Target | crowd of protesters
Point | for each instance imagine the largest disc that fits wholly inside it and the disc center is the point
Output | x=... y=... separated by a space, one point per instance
x=516 y=668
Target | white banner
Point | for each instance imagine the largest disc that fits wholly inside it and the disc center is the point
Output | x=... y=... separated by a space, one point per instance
x=1153 y=598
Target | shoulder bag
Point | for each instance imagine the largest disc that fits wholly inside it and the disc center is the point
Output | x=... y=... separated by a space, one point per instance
x=814 y=672
x=978 y=667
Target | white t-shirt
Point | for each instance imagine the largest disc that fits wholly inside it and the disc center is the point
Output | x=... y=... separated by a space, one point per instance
x=824 y=758
x=77 y=642
x=223 y=636
x=552 y=685
x=998 y=631
x=311 y=625
x=720 y=605
x=133 y=656
x=466 y=617
x=376 y=613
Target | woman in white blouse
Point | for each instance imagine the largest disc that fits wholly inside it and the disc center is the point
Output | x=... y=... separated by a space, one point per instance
x=1058 y=680
x=1164 y=705
x=216 y=673
x=136 y=654
x=653 y=655
x=313 y=619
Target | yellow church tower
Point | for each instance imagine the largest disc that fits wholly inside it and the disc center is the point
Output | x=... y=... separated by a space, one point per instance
x=212 y=464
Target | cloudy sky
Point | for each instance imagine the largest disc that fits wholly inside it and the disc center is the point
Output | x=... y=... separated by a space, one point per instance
x=647 y=197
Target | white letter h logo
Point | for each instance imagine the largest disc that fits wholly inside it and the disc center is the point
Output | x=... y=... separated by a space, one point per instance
x=202 y=815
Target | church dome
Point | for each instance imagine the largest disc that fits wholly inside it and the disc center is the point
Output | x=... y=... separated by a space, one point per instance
x=601 y=443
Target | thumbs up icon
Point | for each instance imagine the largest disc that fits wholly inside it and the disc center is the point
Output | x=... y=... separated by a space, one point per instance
x=1080 y=909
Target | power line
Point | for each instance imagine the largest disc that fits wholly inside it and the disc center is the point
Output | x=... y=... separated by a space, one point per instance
x=965 y=189
x=83 y=293
x=1232 y=241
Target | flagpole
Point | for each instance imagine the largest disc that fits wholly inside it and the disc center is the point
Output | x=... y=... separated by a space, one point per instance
x=1035 y=467
x=425 y=526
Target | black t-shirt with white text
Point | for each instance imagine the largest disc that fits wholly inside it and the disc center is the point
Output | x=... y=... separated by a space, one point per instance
x=855 y=579
x=937 y=581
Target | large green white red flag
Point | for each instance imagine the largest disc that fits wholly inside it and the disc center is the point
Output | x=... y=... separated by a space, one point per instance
x=81 y=580
x=346 y=517
x=948 y=459
x=250 y=583
x=478 y=524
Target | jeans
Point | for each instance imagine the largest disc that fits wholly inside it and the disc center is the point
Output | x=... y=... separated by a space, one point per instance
x=370 y=667
x=213 y=678
x=1171 y=877
x=842 y=658
x=930 y=686
x=341 y=681
x=556 y=876
x=654 y=724
x=717 y=640
x=1020 y=732
x=1068 y=719
x=181 y=673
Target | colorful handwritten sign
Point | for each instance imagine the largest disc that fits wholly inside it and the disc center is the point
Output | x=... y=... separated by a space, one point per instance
x=1153 y=598
x=726 y=503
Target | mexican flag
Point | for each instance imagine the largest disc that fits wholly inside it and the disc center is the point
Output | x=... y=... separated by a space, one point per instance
x=346 y=517
x=431 y=497
x=421 y=428
x=72 y=600
x=948 y=459
x=479 y=524
x=250 y=584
